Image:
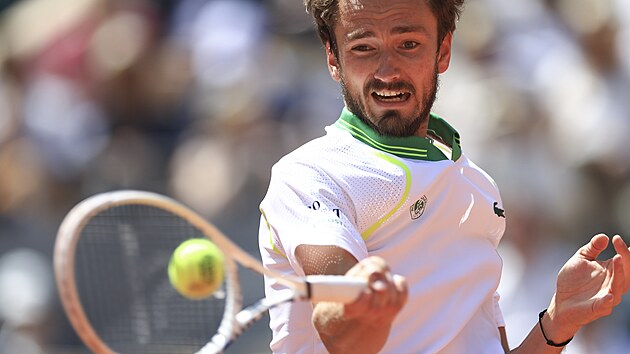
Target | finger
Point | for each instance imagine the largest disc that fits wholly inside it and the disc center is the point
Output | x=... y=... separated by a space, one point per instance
x=383 y=281
x=359 y=307
x=378 y=274
x=621 y=247
x=618 y=280
x=389 y=300
x=380 y=290
x=402 y=290
x=591 y=250
x=374 y=270
x=603 y=306
x=377 y=263
x=368 y=266
x=389 y=296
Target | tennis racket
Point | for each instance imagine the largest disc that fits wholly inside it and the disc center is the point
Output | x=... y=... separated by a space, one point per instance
x=111 y=258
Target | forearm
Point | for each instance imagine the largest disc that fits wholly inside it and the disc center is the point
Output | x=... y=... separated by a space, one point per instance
x=535 y=341
x=348 y=336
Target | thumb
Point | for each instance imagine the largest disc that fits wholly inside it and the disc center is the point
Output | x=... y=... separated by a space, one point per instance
x=603 y=306
x=591 y=250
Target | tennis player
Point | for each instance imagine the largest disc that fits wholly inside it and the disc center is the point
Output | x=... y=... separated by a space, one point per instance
x=388 y=190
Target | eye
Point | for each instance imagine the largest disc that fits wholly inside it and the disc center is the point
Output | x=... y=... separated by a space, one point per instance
x=409 y=44
x=361 y=48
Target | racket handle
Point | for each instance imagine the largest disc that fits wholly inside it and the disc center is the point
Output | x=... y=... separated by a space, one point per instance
x=335 y=288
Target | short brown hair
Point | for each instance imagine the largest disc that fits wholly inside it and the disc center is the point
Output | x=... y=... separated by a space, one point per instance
x=325 y=12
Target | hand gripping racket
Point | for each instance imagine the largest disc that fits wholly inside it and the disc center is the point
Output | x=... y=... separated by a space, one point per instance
x=111 y=259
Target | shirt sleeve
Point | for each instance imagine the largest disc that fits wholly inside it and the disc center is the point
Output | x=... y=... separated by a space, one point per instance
x=305 y=205
x=498 y=314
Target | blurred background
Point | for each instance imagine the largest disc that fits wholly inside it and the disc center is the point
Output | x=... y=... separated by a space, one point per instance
x=197 y=99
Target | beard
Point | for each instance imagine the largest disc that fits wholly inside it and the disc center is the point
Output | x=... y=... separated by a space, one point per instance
x=392 y=122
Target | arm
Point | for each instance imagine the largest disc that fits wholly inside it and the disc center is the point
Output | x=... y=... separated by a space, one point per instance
x=363 y=326
x=534 y=342
x=587 y=289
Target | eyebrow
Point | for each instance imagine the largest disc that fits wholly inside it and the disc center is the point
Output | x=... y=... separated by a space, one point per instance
x=360 y=33
x=408 y=29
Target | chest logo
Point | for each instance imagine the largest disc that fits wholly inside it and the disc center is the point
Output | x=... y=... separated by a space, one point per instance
x=417 y=209
x=500 y=212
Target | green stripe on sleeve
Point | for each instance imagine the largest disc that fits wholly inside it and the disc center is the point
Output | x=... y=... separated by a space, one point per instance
x=273 y=245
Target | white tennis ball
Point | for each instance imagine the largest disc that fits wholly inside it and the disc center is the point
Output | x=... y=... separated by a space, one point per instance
x=196 y=268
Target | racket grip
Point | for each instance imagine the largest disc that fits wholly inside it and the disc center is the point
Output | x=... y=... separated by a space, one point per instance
x=334 y=288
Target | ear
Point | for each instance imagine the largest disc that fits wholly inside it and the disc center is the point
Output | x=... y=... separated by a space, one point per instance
x=333 y=64
x=444 y=53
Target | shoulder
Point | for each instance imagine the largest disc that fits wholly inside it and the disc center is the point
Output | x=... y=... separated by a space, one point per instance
x=476 y=172
x=317 y=155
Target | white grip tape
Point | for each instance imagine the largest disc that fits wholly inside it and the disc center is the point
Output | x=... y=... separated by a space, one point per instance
x=335 y=288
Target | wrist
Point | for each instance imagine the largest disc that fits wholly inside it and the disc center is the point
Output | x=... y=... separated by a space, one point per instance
x=555 y=327
x=547 y=338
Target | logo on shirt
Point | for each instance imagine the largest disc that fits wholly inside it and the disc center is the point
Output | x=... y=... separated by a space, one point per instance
x=317 y=205
x=325 y=218
x=417 y=209
x=500 y=212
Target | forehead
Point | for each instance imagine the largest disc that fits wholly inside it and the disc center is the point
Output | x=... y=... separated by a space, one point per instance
x=357 y=15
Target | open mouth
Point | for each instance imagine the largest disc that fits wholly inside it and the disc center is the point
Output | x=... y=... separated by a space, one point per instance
x=391 y=96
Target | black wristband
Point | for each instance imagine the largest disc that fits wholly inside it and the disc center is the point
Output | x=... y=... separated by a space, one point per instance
x=549 y=342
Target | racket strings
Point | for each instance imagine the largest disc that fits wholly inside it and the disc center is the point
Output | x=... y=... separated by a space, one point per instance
x=121 y=274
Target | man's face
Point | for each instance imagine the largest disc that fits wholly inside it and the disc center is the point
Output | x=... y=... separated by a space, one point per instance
x=388 y=62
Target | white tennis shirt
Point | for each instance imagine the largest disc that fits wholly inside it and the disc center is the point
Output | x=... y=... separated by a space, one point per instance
x=436 y=220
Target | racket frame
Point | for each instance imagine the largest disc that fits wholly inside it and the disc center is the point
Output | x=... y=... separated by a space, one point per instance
x=315 y=288
x=70 y=232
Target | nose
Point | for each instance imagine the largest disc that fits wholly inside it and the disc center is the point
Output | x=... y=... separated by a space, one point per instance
x=387 y=70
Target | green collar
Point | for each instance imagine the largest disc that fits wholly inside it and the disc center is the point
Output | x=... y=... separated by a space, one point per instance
x=412 y=147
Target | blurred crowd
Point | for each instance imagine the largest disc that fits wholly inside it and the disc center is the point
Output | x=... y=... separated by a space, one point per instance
x=197 y=99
